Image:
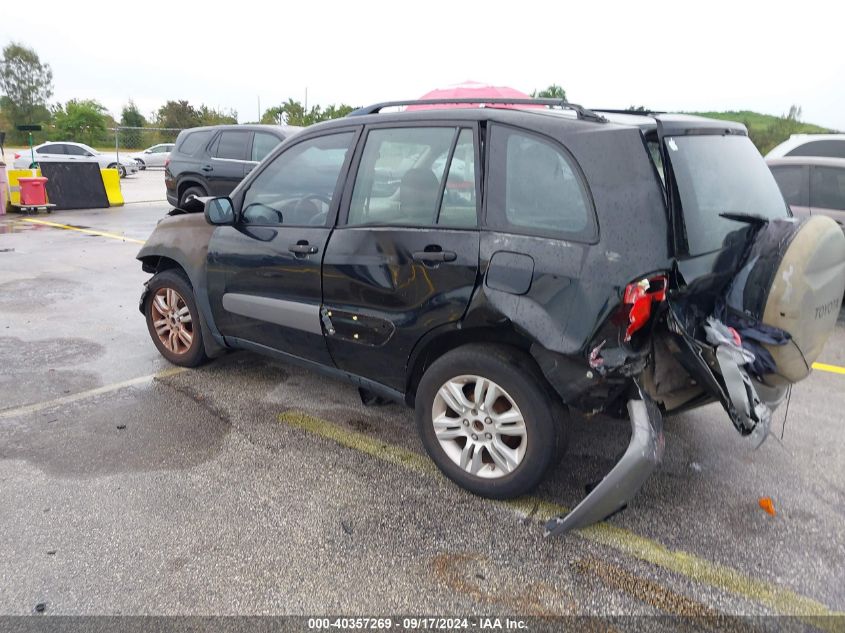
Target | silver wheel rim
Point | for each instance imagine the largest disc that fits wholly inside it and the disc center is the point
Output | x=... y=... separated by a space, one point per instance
x=479 y=426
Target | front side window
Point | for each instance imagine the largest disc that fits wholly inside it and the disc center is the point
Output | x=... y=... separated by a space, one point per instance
x=534 y=188
x=792 y=181
x=400 y=176
x=297 y=187
x=262 y=145
x=827 y=188
x=75 y=150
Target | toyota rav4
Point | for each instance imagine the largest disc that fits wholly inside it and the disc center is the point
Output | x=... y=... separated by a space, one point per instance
x=497 y=267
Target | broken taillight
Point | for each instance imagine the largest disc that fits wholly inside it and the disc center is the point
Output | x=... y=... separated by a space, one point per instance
x=639 y=295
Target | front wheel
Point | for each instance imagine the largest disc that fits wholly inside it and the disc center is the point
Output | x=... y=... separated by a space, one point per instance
x=173 y=320
x=121 y=170
x=487 y=421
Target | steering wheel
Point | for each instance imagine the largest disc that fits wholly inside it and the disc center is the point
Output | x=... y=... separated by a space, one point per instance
x=318 y=219
x=317 y=196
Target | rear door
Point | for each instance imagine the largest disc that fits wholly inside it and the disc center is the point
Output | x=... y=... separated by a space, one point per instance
x=227 y=161
x=827 y=191
x=262 y=144
x=404 y=258
x=264 y=272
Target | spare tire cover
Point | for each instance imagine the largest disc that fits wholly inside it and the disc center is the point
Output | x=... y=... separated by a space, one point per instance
x=793 y=279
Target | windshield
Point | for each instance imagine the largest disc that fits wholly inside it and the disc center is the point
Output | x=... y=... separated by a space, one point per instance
x=721 y=175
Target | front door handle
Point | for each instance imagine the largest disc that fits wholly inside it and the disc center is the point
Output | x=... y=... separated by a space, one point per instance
x=434 y=257
x=207 y=168
x=303 y=248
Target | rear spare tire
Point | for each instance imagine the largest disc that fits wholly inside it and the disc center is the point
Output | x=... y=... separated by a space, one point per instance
x=793 y=279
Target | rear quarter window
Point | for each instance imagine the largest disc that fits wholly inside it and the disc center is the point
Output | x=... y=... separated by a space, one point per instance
x=536 y=188
x=193 y=142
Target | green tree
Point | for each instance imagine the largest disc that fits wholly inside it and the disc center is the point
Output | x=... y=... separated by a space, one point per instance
x=294 y=113
x=25 y=84
x=130 y=116
x=82 y=121
x=210 y=116
x=178 y=114
x=552 y=92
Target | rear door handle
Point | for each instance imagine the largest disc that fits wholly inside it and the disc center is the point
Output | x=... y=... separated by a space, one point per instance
x=303 y=248
x=433 y=257
x=207 y=168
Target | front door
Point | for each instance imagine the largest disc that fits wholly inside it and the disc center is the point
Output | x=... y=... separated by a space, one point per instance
x=405 y=260
x=264 y=272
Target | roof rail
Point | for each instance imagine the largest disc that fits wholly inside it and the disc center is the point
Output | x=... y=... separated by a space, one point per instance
x=629 y=111
x=583 y=113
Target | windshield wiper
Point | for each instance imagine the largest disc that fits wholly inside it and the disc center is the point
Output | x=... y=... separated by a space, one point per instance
x=749 y=218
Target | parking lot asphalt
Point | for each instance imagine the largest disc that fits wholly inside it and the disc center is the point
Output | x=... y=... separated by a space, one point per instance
x=249 y=486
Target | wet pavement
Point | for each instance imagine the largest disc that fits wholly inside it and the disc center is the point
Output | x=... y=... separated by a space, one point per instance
x=253 y=487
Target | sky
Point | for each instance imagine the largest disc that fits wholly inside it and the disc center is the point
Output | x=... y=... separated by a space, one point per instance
x=740 y=55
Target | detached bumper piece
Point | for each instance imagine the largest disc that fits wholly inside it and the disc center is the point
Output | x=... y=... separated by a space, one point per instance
x=644 y=453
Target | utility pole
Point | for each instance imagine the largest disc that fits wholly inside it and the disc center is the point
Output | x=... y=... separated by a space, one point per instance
x=306 y=98
x=259 y=108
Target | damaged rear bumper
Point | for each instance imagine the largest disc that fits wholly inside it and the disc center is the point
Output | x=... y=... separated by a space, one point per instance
x=644 y=453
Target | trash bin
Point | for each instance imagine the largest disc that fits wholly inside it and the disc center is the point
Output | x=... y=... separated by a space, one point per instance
x=33 y=193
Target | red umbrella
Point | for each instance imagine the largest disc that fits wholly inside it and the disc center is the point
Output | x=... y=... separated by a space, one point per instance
x=469 y=90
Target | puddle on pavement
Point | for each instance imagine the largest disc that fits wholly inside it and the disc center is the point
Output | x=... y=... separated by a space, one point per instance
x=30 y=295
x=14 y=225
x=141 y=429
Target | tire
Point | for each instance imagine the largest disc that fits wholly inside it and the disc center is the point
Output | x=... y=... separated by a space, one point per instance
x=141 y=164
x=121 y=170
x=179 y=342
x=185 y=203
x=506 y=464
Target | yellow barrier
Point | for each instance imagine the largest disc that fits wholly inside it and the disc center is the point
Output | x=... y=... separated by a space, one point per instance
x=14 y=187
x=111 y=181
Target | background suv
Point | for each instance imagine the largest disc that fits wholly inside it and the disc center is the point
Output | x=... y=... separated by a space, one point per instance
x=211 y=161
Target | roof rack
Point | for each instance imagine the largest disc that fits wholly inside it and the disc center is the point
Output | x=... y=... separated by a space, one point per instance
x=583 y=113
x=629 y=111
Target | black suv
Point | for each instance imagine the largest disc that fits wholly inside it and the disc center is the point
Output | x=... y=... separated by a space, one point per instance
x=498 y=267
x=211 y=161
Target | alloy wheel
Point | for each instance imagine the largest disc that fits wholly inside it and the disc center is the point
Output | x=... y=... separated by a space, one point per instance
x=479 y=426
x=172 y=320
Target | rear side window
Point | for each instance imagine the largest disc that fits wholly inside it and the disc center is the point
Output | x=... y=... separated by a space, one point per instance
x=194 y=141
x=262 y=145
x=535 y=188
x=829 y=149
x=50 y=149
x=793 y=184
x=231 y=144
x=827 y=188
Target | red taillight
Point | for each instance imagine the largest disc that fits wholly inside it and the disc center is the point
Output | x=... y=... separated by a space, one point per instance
x=166 y=162
x=640 y=295
x=17 y=156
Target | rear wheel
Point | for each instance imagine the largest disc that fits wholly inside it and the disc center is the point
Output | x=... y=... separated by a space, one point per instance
x=186 y=200
x=173 y=319
x=487 y=421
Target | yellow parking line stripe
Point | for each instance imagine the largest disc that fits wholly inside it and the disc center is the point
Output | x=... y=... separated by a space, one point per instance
x=778 y=599
x=67 y=227
x=833 y=369
x=82 y=395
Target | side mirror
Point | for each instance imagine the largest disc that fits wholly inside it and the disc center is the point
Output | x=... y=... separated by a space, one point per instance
x=148 y=151
x=219 y=212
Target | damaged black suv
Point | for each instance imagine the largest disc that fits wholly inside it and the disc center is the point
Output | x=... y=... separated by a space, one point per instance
x=496 y=267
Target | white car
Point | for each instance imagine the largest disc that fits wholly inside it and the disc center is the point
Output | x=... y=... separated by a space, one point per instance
x=69 y=152
x=154 y=156
x=823 y=145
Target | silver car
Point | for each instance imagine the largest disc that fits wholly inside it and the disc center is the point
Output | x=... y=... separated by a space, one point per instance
x=812 y=185
x=154 y=156
x=70 y=152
